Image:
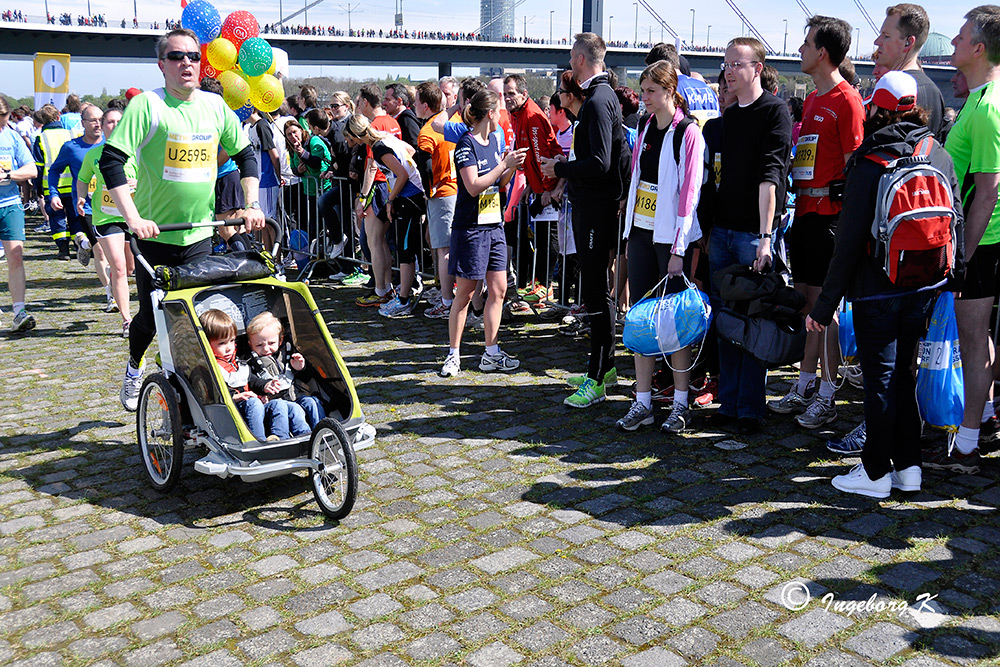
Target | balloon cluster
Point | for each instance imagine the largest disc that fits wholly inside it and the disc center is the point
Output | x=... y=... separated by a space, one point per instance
x=233 y=52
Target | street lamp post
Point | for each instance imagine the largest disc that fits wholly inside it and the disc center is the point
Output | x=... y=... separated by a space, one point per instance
x=692 y=28
x=784 y=49
x=857 y=42
x=551 y=12
x=708 y=37
x=610 y=19
x=636 y=40
x=571 y=21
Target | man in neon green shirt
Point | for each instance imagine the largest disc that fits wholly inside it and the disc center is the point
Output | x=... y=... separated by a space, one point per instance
x=174 y=134
x=974 y=146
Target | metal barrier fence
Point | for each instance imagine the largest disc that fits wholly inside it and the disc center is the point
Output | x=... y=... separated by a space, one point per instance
x=322 y=227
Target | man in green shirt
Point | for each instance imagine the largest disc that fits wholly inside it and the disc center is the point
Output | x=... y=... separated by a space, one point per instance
x=974 y=146
x=174 y=134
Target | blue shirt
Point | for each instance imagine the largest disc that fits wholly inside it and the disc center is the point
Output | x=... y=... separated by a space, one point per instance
x=72 y=122
x=71 y=157
x=701 y=100
x=454 y=130
x=13 y=155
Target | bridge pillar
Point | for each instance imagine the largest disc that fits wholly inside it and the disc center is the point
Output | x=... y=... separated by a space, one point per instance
x=444 y=69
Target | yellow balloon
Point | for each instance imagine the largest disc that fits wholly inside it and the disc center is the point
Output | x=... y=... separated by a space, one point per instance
x=222 y=54
x=273 y=67
x=235 y=90
x=266 y=93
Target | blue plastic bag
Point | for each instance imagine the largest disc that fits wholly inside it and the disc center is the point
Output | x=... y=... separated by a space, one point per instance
x=940 y=388
x=848 y=343
x=661 y=324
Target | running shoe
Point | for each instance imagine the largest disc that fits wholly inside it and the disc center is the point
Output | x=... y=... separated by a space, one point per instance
x=791 y=402
x=576 y=328
x=852 y=373
x=356 y=278
x=131 y=385
x=589 y=393
x=396 y=308
x=662 y=387
x=83 y=250
x=610 y=379
x=637 y=415
x=452 y=365
x=335 y=250
x=339 y=276
x=706 y=394
x=63 y=255
x=519 y=307
x=23 y=321
x=502 y=362
x=678 y=419
x=820 y=412
x=438 y=312
x=43 y=228
x=433 y=296
x=2 y=252
x=907 y=479
x=989 y=431
x=857 y=481
x=473 y=321
x=125 y=328
x=539 y=293
x=111 y=306
x=373 y=299
x=851 y=444
x=938 y=458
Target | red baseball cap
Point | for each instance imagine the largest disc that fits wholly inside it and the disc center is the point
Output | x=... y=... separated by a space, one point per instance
x=895 y=91
x=131 y=92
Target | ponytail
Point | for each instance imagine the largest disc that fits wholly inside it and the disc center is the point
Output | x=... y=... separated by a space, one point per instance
x=479 y=106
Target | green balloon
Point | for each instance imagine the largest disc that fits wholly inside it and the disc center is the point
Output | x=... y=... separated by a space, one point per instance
x=255 y=56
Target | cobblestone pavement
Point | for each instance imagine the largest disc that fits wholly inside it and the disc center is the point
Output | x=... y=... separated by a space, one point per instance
x=494 y=525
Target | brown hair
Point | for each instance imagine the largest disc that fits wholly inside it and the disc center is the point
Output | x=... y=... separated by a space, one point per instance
x=309 y=96
x=569 y=84
x=759 y=54
x=264 y=321
x=883 y=117
x=4 y=106
x=429 y=92
x=217 y=325
x=48 y=114
x=481 y=104
x=662 y=73
x=161 y=43
x=913 y=22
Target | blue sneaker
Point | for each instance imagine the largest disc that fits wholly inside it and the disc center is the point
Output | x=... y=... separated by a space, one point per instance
x=851 y=444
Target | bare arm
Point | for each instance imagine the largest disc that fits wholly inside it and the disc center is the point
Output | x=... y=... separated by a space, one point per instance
x=766 y=203
x=476 y=185
x=980 y=211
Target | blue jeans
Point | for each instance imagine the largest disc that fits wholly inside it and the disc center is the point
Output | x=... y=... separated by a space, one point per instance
x=285 y=418
x=741 y=377
x=888 y=331
x=253 y=414
x=313 y=409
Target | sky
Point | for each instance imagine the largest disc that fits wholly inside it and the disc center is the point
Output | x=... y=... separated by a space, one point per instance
x=531 y=17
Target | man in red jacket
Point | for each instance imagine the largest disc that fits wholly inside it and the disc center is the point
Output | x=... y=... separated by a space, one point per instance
x=532 y=130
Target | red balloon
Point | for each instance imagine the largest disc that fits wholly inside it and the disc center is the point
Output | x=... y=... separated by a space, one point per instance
x=239 y=27
x=184 y=3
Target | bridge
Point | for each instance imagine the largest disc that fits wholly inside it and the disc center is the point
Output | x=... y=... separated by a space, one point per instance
x=89 y=44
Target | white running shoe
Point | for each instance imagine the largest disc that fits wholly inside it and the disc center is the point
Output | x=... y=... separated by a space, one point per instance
x=502 y=362
x=131 y=384
x=452 y=366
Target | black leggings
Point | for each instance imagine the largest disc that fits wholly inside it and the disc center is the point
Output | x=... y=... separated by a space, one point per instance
x=594 y=228
x=406 y=212
x=142 y=329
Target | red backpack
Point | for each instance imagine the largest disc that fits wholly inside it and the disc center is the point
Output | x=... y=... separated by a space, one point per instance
x=915 y=220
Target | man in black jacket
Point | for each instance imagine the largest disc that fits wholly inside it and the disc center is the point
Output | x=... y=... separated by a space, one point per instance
x=594 y=185
x=397 y=104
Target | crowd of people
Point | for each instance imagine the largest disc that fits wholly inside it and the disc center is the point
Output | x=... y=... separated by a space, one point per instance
x=480 y=185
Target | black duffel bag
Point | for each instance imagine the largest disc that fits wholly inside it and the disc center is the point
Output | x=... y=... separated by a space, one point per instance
x=774 y=343
x=761 y=315
x=215 y=270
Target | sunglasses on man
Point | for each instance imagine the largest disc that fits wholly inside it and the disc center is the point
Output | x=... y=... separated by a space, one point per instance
x=178 y=56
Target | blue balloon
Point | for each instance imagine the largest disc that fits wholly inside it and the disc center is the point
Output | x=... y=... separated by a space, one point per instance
x=202 y=19
x=244 y=111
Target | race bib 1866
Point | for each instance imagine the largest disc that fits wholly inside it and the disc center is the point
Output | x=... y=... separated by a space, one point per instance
x=190 y=158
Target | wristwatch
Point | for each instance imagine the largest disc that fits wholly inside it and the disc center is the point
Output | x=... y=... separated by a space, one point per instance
x=254 y=205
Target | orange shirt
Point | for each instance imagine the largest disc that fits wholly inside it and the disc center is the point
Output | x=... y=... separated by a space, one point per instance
x=442 y=160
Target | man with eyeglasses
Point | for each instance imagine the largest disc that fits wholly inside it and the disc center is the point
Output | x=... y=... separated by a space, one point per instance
x=756 y=144
x=17 y=166
x=174 y=134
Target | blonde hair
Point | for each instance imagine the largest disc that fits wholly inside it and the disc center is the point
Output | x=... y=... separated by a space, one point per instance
x=359 y=128
x=264 y=321
x=340 y=97
x=217 y=325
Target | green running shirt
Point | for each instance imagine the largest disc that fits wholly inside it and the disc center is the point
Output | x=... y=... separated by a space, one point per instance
x=104 y=208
